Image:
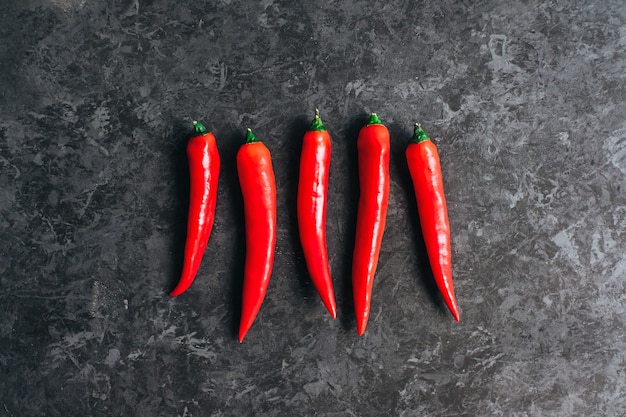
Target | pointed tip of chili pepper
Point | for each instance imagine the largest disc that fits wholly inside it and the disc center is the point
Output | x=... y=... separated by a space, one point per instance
x=182 y=286
x=452 y=305
x=199 y=128
x=250 y=137
x=176 y=292
x=244 y=325
x=455 y=313
x=242 y=334
x=374 y=120
x=418 y=134
x=332 y=309
x=316 y=124
x=361 y=325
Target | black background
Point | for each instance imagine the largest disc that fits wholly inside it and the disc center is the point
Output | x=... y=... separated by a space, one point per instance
x=524 y=100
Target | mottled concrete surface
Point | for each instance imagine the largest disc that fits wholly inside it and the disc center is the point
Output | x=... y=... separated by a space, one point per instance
x=525 y=100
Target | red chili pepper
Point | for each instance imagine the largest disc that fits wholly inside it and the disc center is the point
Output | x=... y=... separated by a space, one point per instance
x=204 y=169
x=373 y=156
x=312 y=197
x=258 y=186
x=425 y=168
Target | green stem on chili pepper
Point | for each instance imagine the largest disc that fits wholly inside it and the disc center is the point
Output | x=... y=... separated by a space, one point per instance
x=374 y=120
x=250 y=137
x=316 y=123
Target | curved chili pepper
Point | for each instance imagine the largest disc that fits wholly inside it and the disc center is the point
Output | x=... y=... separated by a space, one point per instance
x=425 y=168
x=373 y=156
x=204 y=169
x=312 y=197
x=258 y=186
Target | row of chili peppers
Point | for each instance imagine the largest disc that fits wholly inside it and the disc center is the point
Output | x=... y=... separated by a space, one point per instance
x=258 y=185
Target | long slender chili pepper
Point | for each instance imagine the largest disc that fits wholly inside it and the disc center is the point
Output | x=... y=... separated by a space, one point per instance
x=312 y=197
x=204 y=168
x=373 y=156
x=424 y=166
x=258 y=186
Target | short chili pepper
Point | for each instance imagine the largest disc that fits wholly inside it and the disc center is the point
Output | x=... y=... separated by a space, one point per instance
x=204 y=169
x=373 y=159
x=312 y=198
x=425 y=168
x=258 y=186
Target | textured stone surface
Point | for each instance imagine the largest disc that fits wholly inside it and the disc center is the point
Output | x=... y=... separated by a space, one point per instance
x=525 y=100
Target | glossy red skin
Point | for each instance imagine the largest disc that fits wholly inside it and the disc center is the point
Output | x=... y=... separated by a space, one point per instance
x=204 y=169
x=373 y=156
x=425 y=169
x=312 y=198
x=258 y=186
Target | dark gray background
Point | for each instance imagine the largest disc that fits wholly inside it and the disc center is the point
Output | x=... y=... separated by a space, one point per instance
x=525 y=100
